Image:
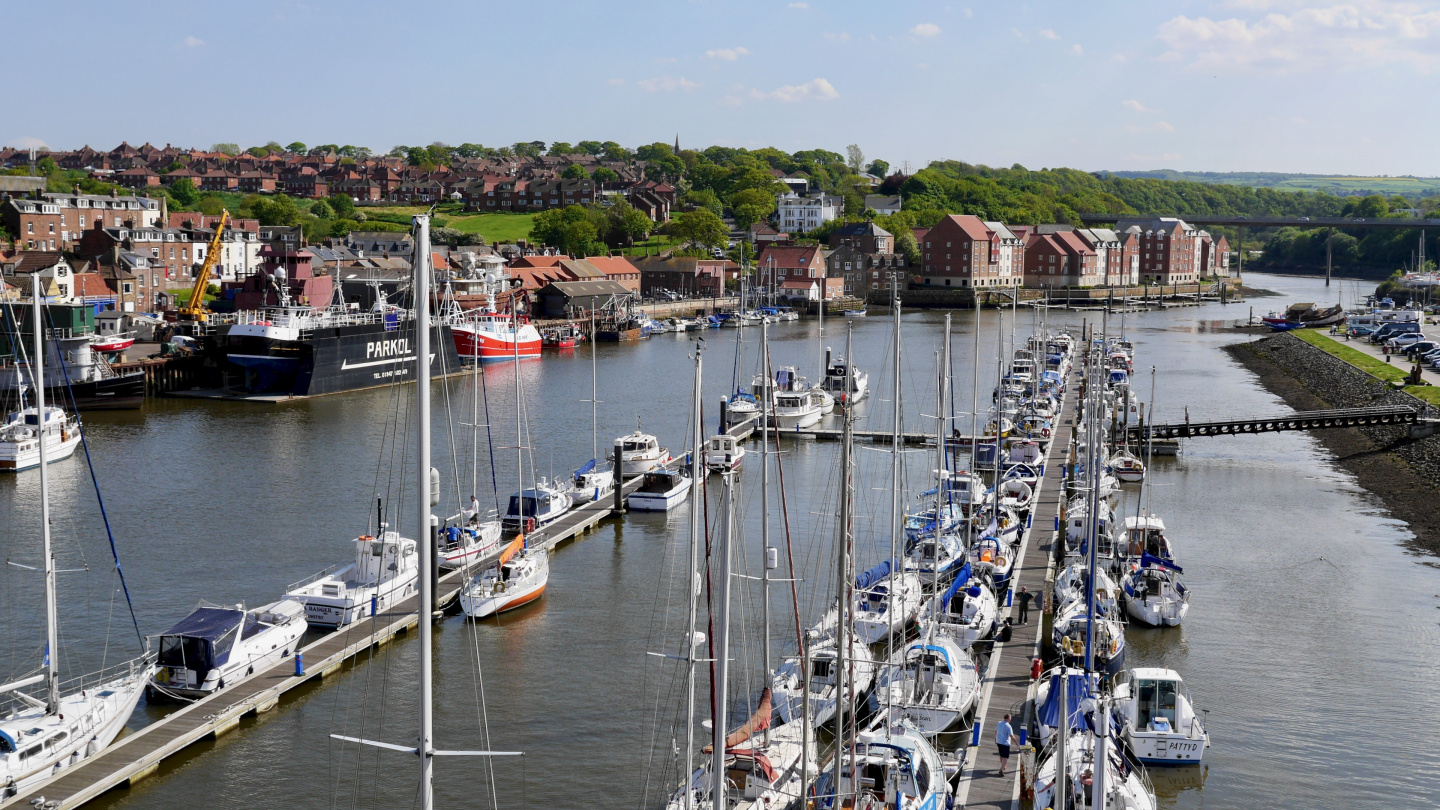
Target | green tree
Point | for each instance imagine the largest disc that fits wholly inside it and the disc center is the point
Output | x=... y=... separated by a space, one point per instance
x=907 y=245
x=879 y=168
x=701 y=227
x=296 y=146
x=231 y=149
x=574 y=172
x=561 y=148
x=342 y=205
x=757 y=199
x=591 y=147
x=654 y=151
x=667 y=166
x=183 y=192
x=570 y=229
x=747 y=214
x=605 y=174
x=703 y=198
x=211 y=204
x=257 y=151
x=322 y=209
x=854 y=158
x=47 y=166
x=614 y=151
x=277 y=210
x=625 y=224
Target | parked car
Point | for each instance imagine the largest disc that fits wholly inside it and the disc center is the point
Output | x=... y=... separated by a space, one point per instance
x=1400 y=342
x=1420 y=348
x=1390 y=330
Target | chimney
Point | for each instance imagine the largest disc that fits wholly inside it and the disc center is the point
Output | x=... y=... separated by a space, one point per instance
x=77 y=189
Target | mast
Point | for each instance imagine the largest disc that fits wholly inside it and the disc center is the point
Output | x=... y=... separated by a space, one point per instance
x=1094 y=394
x=519 y=422
x=842 y=583
x=52 y=628
x=942 y=487
x=895 y=517
x=696 y=514
x=820 y=381
x=974 y=426
x=426 y=545
x=594 y=393
x=1062 y=740
x=719 y=724
x=765 y=548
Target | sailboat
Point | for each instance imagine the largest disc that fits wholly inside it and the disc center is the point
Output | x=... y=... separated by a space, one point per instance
x=1154 y=593
x=42 y=736
x=892 y=769
x=932 y=683
x=427 y=497
x=592 y=482
x=965 y=611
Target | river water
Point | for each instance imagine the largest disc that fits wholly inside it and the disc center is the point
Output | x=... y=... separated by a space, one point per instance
x=1312 y=641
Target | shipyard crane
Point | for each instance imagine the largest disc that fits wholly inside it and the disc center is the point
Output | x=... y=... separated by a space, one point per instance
x=194 y=309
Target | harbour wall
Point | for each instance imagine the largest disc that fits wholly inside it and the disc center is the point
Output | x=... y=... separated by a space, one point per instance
x=1403 y=472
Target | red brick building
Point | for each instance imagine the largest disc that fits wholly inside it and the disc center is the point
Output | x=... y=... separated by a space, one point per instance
x=618 y=269
x=1169 y=250
x=1061 y=260
x=779 y=264
x=963 y=251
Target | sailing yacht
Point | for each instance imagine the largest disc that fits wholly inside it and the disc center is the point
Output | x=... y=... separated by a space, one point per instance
x=516 y=580
x=537 y=507
x=788 y=683
x=1126 y=467
x=591 y=483
x=935 y=556
x=1154 y=594
x=931 y=683
x=893 y=769
x=1069 y=633
x=762 y=766
x=1127 y=787
x=965 y=611
x=1145 y=534
x=886 y=600
x=384 y=573
x=460 y=545
x=75 y=720
x=1073 y=582
x=21 y=436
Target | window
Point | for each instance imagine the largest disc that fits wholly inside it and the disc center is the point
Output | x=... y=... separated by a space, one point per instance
x=29 y=227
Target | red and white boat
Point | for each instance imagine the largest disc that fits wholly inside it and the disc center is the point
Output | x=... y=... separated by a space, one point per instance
x=112 y=343
x=493 y=336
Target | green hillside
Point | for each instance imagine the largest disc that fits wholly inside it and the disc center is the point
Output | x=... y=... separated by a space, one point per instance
x=1333 y=184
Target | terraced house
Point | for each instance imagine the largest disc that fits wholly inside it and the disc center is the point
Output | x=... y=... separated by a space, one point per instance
x=964 y=251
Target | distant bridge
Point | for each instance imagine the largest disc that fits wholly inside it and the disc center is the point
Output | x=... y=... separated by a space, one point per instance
x=1304 y=420
x=1243 y=221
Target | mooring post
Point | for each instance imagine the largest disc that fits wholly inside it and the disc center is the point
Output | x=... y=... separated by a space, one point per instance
x=619 y=504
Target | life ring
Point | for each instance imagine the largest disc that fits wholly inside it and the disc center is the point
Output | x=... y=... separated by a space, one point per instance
x=500 y=586
x=366 y=537
x=1045 y=432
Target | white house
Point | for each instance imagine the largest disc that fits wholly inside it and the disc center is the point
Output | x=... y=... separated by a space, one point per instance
x=798 y=214
x=882 y=204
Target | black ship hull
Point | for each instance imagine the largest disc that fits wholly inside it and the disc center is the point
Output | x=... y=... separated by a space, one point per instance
x=328 y=360
x=118 y=393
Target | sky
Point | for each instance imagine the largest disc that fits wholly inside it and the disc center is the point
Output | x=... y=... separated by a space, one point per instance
x=1344 y=87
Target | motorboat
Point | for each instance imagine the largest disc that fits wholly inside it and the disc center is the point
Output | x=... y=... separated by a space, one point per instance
x=566 y=336
x=1127 y=788
x=875 y=590
x=110 y=344
x=934 y=556
x=1154 y=593
x=1145 y=534
x=515 y=580
x=24 y=431
x=1126 y=467
x=965 y=611
x=799 y=409
x=215 y=647
x=591 y=482
x=535 y=508
x=1159 y=722
x=1027 y=451
x=1069 y=632
x=660 y=491
x=762 y=766
x=931 y=683
x=1072 y=585
x=894 y=768
x=845 y=382
x=723 y=453
x=789 y=682
x=383 y=574
x=640 y=453
x=463 y=543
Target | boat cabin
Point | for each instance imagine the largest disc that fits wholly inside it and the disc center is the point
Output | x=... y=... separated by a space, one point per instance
x=1146 y=535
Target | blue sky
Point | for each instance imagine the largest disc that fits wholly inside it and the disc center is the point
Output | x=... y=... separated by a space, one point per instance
x=1219 y=85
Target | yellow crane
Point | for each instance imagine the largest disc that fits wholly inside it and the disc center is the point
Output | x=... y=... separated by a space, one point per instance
x=194 y=309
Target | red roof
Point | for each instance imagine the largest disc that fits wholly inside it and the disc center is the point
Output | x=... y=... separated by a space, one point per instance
x=1072 y=240
x=798 y=285
x=972 y=226
x=91 y=285
x=788 y=256
x=613 y=265
x=539 y=261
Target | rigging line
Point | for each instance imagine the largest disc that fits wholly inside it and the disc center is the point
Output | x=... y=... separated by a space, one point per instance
x=95 y=482
x=489 y=437
x=789 y=547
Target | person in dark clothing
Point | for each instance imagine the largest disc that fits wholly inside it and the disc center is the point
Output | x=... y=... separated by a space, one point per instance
x=1024 y=597
x=1005 y=631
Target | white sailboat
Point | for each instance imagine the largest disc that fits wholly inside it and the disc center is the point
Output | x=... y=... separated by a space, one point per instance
x=518 y=578
x=892 y=769
x=1155 y=594
x=965 y=611
x=790 y=679
x=931 y=683
x=592 y=482
x=42 y=736
x=25 y=430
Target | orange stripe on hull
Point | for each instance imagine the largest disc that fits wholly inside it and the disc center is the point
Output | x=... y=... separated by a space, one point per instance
x=523 y=600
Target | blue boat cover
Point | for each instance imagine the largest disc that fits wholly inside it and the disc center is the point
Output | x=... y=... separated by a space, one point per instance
x=961 y=577
x=1147 y=559
x=876 y=574
x=207 y=623
x=1078 y=688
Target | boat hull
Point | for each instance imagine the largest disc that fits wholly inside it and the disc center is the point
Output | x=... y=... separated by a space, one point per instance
x=332 y=359
x=471 y=342
x=480 y=608
x=1154 y=748
x=658 y=501
x=124 y=391
x=115 y=710
x=15 y=460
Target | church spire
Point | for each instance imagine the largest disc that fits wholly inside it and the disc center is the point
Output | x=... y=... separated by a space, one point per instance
x=677 y=143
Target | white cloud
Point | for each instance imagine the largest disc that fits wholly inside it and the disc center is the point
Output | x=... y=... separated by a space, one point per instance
x=727 y=54
x=666 y=84
x=1077 y=50
x=1132 y=104
x=615 y=82
x=28 y=142
x=1119 y=57
x=1020 y=35
x=1048 y=34
x=815 y=89
x=1352 y=34
x=969 y=13
x=926 y=30
x=193 y=42
x=841 y=37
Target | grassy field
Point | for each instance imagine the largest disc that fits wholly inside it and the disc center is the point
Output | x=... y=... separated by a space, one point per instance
x=493 y=227
x=1370 y=365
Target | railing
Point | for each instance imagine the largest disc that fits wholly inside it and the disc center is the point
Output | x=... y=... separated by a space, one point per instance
x=1305 y=420
x=90 y=680
x=315 y=577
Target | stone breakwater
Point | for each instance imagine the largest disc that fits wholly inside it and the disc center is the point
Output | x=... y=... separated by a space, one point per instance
x=1403 y=473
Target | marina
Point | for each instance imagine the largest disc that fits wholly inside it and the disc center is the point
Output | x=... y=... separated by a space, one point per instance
x=347 y=656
